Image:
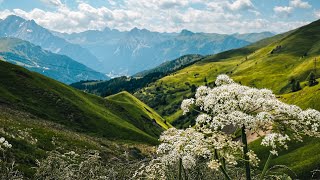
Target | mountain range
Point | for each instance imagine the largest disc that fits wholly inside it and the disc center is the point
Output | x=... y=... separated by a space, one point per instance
x=115 y=52
x=29 y=30
x=56 y=66
x=129 y=52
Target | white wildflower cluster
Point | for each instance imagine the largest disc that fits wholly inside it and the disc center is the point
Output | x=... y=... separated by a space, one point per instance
x=182 y=144
x=191 y=146
x=275 y=140
x=4 y=144
x=232 y=104
x=223 y=79
x=214 y=164
x=253 y=158
x=226 y=108
x=185 y=105
x=156 y=169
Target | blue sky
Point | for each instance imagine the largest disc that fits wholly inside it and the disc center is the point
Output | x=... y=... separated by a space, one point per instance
x=219 y=16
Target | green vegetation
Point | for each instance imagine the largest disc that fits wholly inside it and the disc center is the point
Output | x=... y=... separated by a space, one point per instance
x=139 y=113
x=140 y=80
x=270 y=63
x=173 y=65
x=51 y=100
x=38 y=114
x=32 y=139
x=301 y=157
x=116 y=85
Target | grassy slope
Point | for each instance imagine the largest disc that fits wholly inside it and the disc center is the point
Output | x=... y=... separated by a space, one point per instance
x=252 y=65
x=138 y=113
x=173 y=65
x=32 y=137
x=45 y=98
x=255 y=66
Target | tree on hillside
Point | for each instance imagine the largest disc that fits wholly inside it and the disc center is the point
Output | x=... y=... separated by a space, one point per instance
x=312 y=79
x=295 y=85
x=298 y=87
x=193 y=88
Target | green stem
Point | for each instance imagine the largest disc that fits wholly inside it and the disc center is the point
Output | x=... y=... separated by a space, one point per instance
x=185 y=174
x=266 y=166
x=224 y=163
x=221 y=167
x=245 y=151
x=180 y=169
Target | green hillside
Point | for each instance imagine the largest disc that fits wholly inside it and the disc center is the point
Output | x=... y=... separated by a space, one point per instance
x=261 y=65
x=48 y=99
x=138 y=113
x=173 y=65
x=38 y=115
x=271 y=63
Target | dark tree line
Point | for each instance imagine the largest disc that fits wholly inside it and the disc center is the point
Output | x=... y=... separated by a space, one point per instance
x=113 y=86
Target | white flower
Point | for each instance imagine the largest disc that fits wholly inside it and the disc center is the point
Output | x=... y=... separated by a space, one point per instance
x=214 y=164
x=223 y=79
x=185 y=105
x=188 y=162
x=253 y=158
x=4 y=143
x=237 y=106
x=275 y=140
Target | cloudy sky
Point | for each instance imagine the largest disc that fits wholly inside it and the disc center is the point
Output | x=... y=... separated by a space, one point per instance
x=219 y=16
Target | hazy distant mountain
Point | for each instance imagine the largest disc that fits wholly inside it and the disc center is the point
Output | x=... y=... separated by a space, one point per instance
x=15 y=26
x=129 y=52
x=173 y=65
x=32 y=57
x=253 y=37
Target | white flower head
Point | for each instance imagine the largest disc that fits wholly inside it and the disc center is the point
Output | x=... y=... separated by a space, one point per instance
x=4 y=144
x=214 y=164
x=185 y=105
x=223 y=79
x=275 y=140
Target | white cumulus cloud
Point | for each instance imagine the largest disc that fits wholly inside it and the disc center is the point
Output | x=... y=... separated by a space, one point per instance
x=283 y=10
x=241 y=5
x=52 y=2
x=299 y=4
x=317 y=14
x=219 y=16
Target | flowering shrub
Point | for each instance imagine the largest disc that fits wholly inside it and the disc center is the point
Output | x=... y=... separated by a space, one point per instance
x=4 y=144
x=232 y=106
x=7 y=168
x=87 y=165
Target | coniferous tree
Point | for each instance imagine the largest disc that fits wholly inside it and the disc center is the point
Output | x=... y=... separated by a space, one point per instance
x=298 y=87
x=312 y=79
x=293 y=85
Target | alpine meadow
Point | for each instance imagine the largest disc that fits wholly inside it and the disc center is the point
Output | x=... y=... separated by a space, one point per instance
x=159 y=90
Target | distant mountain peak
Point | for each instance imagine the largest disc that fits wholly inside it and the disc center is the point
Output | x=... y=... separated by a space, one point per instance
x=14 y=18
x=137 y=31
x=186 y=32
x=107 y=29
